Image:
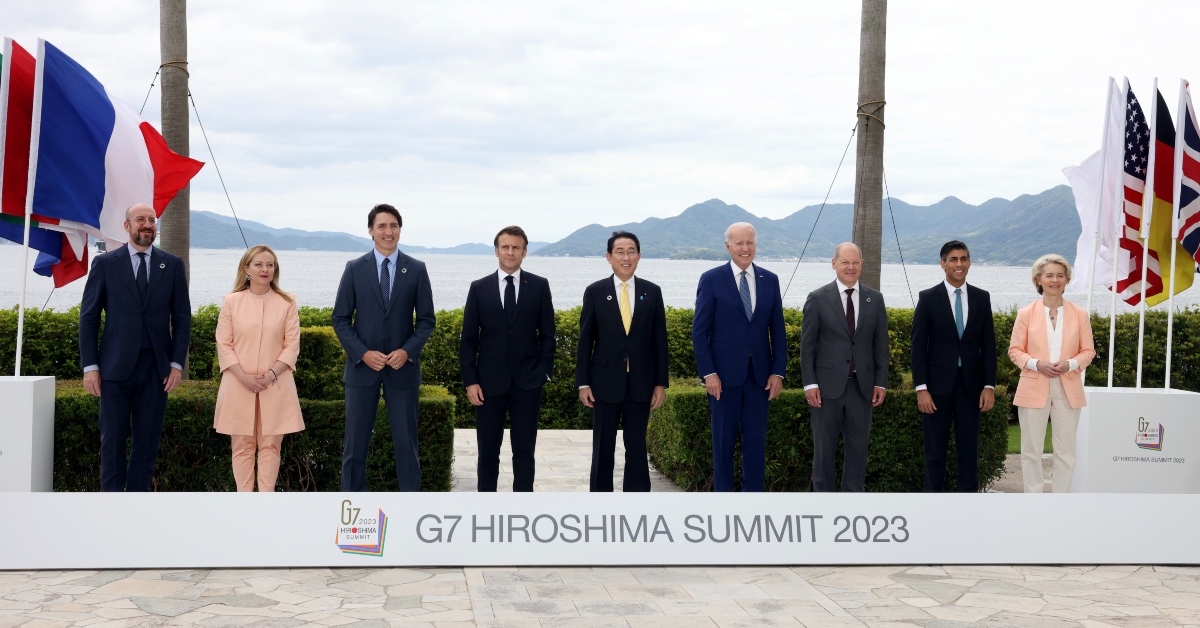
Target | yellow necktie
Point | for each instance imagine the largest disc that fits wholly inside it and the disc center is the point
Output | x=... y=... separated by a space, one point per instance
x=626 y=312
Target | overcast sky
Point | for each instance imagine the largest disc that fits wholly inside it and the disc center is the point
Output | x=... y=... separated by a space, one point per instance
x=471 y=115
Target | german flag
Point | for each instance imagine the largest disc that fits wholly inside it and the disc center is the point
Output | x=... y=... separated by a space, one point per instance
x=1161 y=239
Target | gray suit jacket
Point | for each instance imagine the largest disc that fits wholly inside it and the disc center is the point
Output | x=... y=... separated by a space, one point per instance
x=826 y=346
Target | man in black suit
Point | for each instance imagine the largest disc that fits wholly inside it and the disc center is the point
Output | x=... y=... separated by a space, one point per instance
x=621 y=368
x=378 y=299
x=506 y=354
x=143 y=294
x=953 y=368
x=844 y=362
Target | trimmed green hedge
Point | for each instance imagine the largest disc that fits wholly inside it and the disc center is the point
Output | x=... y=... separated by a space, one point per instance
x=679 y=441
x=193 y=457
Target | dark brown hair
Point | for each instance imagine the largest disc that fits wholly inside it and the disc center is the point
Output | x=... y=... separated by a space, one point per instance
x=383 y=208
x=512 y=230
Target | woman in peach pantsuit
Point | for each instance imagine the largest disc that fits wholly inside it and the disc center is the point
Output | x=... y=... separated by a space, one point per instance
x=258 y=339
x=1052 y=344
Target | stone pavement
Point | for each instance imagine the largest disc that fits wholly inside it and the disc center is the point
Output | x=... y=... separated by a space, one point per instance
x=690 y=597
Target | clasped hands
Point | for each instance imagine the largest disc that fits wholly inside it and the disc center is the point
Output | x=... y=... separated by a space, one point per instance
x=377 y=359
x=1053 y=369
x=253 y=383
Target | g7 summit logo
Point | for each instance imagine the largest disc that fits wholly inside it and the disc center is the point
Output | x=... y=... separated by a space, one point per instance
x=358 y=534
x=1148 y=437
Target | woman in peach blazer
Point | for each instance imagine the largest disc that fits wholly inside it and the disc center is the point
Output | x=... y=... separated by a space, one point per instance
x=1051 y=344
x=258 y=339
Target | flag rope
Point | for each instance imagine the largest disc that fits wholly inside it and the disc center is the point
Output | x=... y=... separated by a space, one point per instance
x=218 y=168
x=896 y=231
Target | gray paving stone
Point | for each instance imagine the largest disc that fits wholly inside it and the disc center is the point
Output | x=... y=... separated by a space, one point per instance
x=244 y=600
x=168 y=607
x=101 y=578
x=397 y=602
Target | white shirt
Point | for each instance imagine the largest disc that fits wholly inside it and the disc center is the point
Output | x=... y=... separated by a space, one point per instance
x=965 y=308
x=379 y=257
x=504 y=284
x=1055 y=340
x=842 y=288
x=135 y=261
x=629 y=287
x=737 y=282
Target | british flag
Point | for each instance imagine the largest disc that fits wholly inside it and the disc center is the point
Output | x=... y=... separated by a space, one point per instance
x=1189 y=182
x=1137 y=150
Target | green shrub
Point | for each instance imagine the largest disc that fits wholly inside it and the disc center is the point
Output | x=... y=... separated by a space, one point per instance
x=679 y=440
x=193 y=457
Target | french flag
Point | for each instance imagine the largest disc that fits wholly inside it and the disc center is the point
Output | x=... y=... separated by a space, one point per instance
x=91 y=157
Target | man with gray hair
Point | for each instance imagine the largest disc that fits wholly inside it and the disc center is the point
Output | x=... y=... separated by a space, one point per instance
x=739 y=340
x=844 y=365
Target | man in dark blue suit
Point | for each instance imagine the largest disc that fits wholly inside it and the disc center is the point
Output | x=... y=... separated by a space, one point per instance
x=953 y=368
x=143 y=294
x=506 y=354
x=741 y=351
x=378 y=299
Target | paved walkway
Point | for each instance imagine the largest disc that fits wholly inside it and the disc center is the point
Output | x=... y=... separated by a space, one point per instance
x=691 y=597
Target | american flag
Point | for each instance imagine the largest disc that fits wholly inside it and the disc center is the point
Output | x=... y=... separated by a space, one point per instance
x=1137 y=150
x=1189 y=183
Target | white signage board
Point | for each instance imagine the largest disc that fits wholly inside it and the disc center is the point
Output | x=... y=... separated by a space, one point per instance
x=190 y=530
x=26 y=434
x=1138 y=440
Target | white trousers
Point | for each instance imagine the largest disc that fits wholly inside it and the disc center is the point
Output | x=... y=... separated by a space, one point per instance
x=1065 y=422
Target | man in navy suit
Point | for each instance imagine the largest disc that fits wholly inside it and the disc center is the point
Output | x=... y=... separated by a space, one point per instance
x=953 y=368
x=380 y=295
x=143 y=294
x=507 y=354
x=741 y=351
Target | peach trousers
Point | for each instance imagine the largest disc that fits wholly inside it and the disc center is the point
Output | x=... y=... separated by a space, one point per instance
x=268 y=457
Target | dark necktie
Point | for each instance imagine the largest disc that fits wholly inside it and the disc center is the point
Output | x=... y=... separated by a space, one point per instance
x=744 y=290
x=385 y=284
x=510 y=298
x=850 y=322
x=143 y=280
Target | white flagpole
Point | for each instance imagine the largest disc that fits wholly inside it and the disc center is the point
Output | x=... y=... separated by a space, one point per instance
x=1100 y=195
x=1144 y=235
x=35 y=133
x=1177 y=176
x=5 y=81
x=1118 y=229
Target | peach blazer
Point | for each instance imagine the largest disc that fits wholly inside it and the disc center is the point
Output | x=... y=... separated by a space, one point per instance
x=255 y=332
x=1031 y=339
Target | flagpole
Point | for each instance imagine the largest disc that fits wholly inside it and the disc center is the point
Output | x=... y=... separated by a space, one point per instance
x=35 y=133
x=1144 y=234
x=1176 y=175
x=1118 y=229
x=1100 y=195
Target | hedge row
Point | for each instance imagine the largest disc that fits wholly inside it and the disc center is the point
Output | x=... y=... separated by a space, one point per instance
x=51 y=349
x=193 y=457
x=679 y=441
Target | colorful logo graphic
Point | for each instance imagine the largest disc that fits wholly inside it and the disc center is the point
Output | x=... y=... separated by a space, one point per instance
x=1149 y=437
x=360 y=535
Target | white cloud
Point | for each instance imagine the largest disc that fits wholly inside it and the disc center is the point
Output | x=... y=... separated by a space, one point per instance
x=470 y=115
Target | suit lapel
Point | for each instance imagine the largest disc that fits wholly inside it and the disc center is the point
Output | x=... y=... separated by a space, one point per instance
x=760 y=292
x=371 y=270
x=613 y=301
x=639 y=301
x=834 y=290
x=523 y=294
x=125 y=269
x=944 y=306
x=401 y=271
x=154 y=273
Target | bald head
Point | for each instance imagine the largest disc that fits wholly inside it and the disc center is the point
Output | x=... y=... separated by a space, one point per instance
x=141 y=208
x=847 y=263
x=142 y=225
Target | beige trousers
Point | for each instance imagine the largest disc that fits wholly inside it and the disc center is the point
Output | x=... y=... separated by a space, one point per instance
x=1065 y=421
x=268 y=458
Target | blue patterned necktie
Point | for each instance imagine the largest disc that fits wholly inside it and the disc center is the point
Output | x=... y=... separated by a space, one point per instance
x=958 y=315
x=142 y=276
x=385 y=284
x=744 y=289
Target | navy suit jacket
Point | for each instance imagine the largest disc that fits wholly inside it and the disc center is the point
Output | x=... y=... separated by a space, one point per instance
x=165 y=314
x=496 y=354
x=725 y=342
x=362 y=324
x=936 y=347
x=605 y=348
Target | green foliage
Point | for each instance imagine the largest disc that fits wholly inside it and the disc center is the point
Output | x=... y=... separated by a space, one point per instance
x=320 y=365
x=202 y=353
x=51 y=343
x=193 y=457
x=679 y=440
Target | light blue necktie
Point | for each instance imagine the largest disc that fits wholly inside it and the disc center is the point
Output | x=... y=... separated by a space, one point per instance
x=958 y=315
x=744 y=289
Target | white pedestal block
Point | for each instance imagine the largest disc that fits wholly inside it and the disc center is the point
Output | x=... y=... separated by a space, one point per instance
x=26 y=434
x=1138 y=440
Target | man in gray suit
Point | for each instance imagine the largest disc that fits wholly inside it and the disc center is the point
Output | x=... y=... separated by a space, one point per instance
x=383 y=315
x=844 y=363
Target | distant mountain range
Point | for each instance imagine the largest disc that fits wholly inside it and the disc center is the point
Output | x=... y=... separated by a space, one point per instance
x=998 y=231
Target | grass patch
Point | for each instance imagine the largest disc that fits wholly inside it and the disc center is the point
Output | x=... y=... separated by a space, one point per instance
x=1014 y=439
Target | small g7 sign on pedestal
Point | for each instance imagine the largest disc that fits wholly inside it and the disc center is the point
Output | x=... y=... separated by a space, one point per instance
x=26 y=434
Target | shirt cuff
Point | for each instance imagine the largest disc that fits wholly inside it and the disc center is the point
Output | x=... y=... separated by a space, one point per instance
x=706 y=376
x=992 y=387
x=811 y=386
x=582 y=387
x=1073 y=365
x=176 y=366
x=1031 y=364
x=922 y=387
x=90 y=368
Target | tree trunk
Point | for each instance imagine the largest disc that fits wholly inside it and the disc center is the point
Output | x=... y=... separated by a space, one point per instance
x=175 y=225
x=868 y=187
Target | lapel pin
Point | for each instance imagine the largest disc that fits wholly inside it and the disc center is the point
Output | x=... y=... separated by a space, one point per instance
x=162 y=265
x=642 y=298
x=610 y=297
x=868 y=299
x=403 y=270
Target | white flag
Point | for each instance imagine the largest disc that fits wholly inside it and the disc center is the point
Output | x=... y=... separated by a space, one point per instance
x=1097 y=204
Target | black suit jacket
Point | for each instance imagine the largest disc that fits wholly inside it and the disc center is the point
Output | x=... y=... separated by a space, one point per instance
x=495 y=354
x=936 y=347
x=165 y=313
x=605 y=348
x=362 y=324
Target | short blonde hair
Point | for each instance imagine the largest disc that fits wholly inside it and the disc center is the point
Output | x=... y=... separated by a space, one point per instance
x=1040 y=266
